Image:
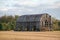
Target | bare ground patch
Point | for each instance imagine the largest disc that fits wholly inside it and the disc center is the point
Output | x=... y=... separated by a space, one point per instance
x=11 y=35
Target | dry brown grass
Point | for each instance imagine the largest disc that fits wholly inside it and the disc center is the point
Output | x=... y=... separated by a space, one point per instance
x=11 y=35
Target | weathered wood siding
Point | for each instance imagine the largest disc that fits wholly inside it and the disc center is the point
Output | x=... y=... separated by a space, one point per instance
x=34 y=22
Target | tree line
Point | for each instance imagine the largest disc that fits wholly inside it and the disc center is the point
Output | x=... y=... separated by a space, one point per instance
x=56 y=24
x=8 y=23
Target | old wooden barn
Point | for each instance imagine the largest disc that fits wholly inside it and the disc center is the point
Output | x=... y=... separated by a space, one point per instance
x=37 y=22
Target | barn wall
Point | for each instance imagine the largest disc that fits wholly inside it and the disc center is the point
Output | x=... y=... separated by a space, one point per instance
x=34 y=23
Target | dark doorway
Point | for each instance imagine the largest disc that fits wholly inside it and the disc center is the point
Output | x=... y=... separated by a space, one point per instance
x=46 y=23
x=34 y=28
x=28 y=28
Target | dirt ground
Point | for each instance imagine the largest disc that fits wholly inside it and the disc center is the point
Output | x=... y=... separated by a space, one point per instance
x=11 y=35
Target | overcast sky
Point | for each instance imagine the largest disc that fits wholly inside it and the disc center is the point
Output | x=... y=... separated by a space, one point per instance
x=23 y=7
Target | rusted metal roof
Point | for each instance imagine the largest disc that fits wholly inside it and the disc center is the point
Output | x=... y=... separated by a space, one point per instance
x=29 y=18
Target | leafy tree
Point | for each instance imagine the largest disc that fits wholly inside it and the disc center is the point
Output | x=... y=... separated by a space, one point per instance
x=56 y=24
x=0 y=26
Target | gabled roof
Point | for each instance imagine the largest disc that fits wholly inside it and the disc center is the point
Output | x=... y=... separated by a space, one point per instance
x=29 y=18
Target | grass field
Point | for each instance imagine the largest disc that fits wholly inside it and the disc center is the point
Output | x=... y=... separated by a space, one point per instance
x=11 y=35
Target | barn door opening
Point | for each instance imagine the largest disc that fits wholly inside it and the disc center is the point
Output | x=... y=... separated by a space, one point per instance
x=46 y=23
x=34 y=28
x=28 y=28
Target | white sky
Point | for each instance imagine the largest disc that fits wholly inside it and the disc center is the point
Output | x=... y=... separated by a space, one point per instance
x=23 y=7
